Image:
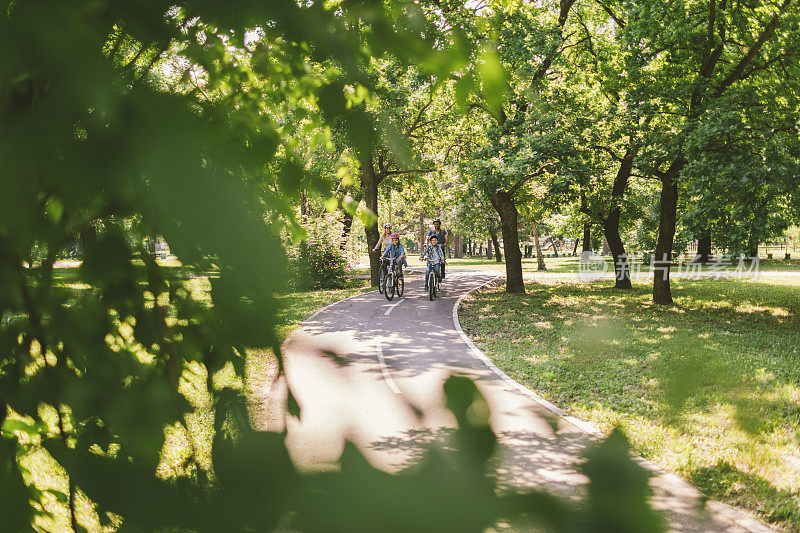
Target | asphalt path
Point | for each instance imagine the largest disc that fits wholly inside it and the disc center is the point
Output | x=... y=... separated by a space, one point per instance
x=383 y=391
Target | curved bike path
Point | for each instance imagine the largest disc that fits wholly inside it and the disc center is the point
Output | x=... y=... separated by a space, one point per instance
x=383 y=391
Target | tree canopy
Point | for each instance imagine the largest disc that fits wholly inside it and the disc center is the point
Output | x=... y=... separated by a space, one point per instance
x=220 y=126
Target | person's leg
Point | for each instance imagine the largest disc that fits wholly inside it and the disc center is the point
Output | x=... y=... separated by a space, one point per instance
x=427 y=273
x=437 y=268
x=441 y=268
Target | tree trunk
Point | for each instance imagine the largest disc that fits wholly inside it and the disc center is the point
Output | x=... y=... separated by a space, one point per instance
x=666 y=234
x=539 y=256
x=496 y=243
x=347 y=225
x=703 y=248
x=88 y=237
x=305 y=207
x=421 y=231
x=752 y=246
x=369 y=184
x=587 y=237
x=622 y=269
x=555 y=248
x=611 y=223
x=505 y=207
x=575 y=248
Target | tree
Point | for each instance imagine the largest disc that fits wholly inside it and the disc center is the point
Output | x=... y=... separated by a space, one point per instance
x=743 y=171
x=728 y=46
x=523 y=134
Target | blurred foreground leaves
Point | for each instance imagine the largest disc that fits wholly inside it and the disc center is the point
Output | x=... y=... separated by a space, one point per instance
x=122 y=122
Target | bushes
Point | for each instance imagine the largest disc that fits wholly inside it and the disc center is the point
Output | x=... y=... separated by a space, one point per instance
x=317 y=265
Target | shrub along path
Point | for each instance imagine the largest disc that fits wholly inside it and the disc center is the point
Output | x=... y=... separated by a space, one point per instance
x=371 y=371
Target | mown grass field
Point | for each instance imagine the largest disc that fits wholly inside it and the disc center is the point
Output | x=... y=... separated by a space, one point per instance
x=709 y=388
x=570 y=265
x=196 y=433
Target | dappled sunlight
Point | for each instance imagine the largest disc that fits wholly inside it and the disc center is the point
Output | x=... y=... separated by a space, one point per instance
x=754 y=308
x=713 y=380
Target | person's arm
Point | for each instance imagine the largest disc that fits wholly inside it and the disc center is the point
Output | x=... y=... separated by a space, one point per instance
x=422 y=255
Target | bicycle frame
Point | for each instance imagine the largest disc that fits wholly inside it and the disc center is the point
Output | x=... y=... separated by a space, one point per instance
x=393 y=282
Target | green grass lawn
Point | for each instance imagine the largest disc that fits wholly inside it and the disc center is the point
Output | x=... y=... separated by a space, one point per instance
x=569 y=265
x=709 y=389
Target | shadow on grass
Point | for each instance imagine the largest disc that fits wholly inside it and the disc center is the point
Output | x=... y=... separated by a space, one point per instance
x=713 y=378
x=726 y=482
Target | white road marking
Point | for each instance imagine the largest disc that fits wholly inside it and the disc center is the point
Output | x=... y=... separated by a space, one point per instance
x=391 y=307
x=385 y=369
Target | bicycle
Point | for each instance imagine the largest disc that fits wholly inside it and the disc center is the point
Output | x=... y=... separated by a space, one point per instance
x=382 y=276
x=433 y=283
x=393 y=283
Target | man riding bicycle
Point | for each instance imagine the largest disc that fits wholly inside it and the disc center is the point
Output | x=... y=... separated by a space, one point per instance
x=434 y=256
x=441 y=237
x=395 y=251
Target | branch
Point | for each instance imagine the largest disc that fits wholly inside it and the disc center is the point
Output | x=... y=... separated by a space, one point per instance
x=737 y=72
x=621 y=23
x=609 y=150
x=479 y=105
x=712 y=18
x=524 y=179
x=645 y=176
x=565 y=6
x=417 y=120
x=409 y=171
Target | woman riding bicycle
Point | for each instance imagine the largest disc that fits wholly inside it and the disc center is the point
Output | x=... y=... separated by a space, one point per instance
x=385 y=239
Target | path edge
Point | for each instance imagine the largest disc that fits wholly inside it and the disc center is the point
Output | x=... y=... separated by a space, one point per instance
x=737 y=516
x=583 y=425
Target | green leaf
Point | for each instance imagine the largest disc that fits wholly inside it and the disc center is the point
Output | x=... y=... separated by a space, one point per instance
x=13 y=425
x=493 y=77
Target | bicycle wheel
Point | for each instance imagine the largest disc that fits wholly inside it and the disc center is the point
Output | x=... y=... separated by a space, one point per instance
x=381 y=279
x=401 y=287
x=431 y=288
x=388 y=288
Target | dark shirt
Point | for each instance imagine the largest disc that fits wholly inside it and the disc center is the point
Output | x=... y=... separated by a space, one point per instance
x=441 y=234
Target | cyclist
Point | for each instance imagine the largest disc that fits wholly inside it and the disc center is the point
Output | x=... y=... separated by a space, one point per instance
x=396 y=252
x=385 y=239
x=434 y=256
x=442 y=237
